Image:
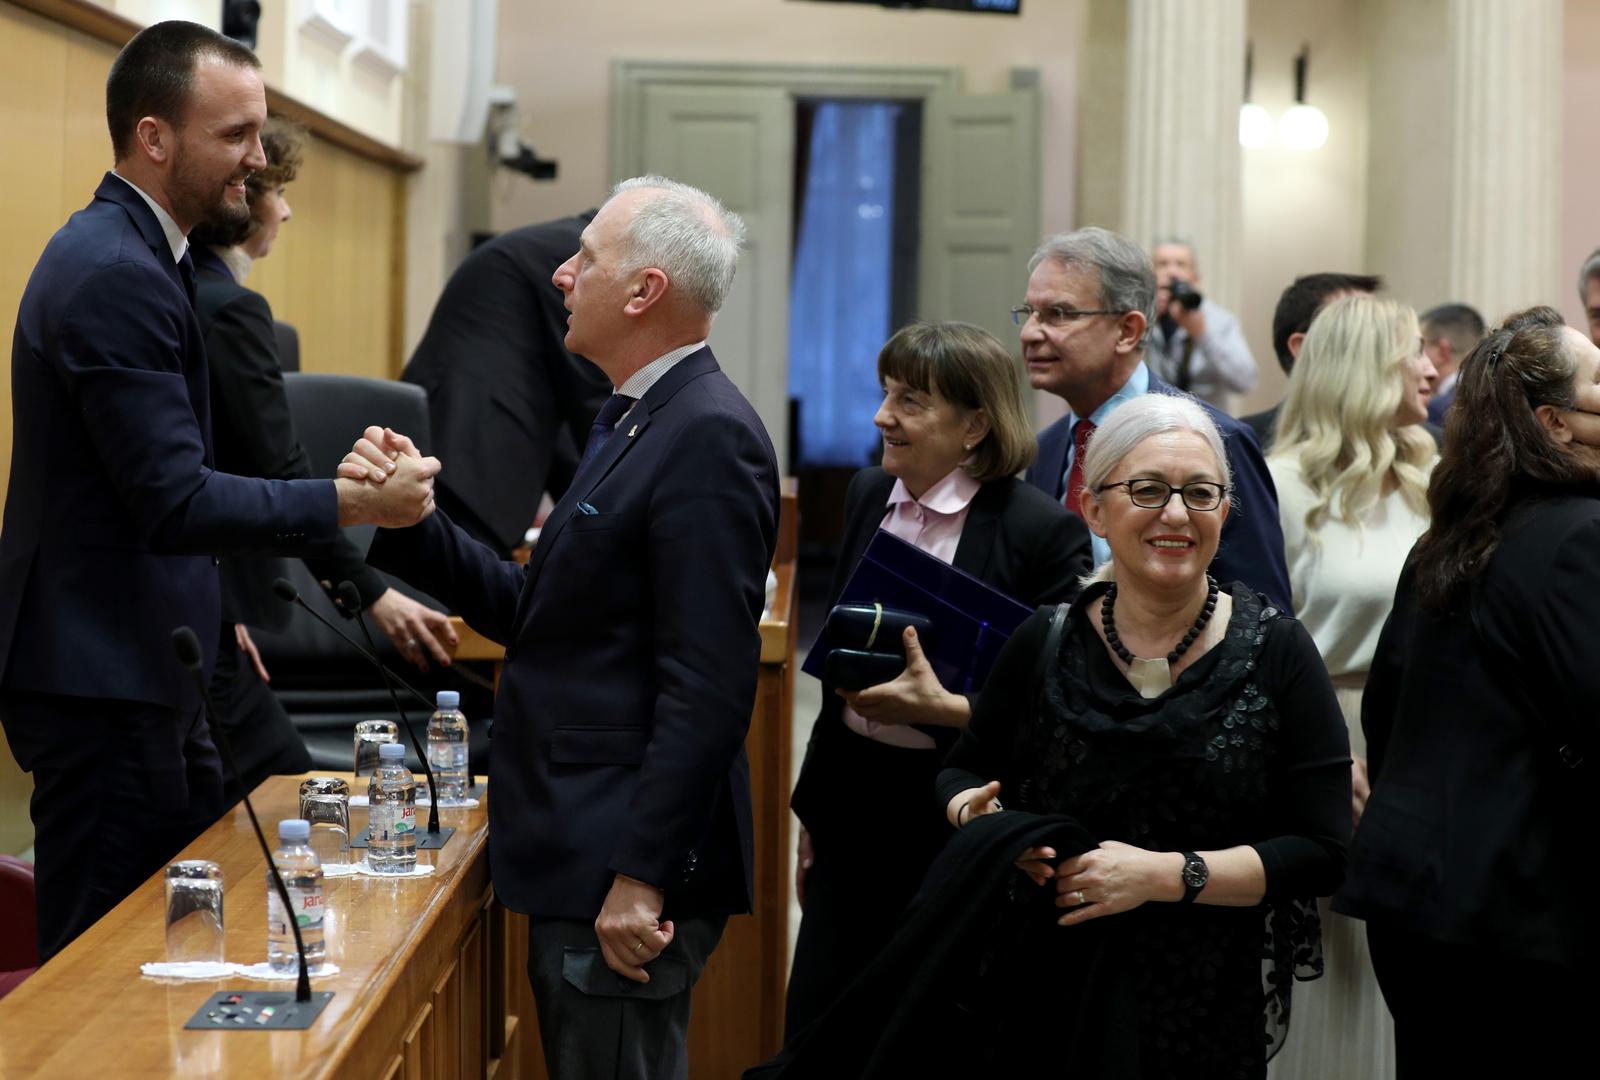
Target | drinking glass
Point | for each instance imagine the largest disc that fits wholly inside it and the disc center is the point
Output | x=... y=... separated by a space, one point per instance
x=325 y=803
x=194 y=911
x=369 y=735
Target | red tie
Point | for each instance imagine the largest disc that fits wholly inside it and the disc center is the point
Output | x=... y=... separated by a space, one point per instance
x=1080 y=439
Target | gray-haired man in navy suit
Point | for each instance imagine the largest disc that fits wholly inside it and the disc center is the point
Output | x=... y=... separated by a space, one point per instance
x=620 y=818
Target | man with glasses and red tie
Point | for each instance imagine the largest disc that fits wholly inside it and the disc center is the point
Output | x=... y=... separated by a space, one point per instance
x=1091 y=298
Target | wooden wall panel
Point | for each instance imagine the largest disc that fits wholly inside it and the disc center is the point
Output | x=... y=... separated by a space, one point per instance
x=332 y=273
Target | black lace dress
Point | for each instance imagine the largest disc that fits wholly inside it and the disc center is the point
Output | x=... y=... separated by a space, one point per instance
x=1247 y=748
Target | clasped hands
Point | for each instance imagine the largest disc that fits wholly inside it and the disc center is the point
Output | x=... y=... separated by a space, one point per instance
x=390 y=483
x=385 y=481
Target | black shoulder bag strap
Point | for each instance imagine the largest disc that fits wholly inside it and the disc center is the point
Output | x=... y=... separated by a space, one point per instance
x=1041 y=668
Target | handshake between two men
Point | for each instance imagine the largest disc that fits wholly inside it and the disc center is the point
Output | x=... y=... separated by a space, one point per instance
x=385 y=481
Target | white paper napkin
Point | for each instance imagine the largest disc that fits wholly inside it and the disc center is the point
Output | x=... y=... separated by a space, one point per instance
x=189 y=969
x=264 y=971
x=361 y=869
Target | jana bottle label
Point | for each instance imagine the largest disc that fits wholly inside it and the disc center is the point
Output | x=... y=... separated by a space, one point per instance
x=397 y=820
x=307 y=909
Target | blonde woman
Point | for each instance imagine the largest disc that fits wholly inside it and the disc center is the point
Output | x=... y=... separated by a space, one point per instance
x=1351 y=466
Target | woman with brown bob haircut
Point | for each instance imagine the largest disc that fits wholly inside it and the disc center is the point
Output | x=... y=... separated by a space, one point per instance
x=955 y=434
x=1473 y=865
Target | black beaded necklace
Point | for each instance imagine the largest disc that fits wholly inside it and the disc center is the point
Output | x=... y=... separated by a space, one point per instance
x=1109 y=625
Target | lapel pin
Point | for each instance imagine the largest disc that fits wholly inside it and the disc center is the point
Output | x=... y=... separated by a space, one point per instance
x=634 y=430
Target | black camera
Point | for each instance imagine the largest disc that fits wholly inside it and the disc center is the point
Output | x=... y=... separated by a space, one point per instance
x=1184 y=293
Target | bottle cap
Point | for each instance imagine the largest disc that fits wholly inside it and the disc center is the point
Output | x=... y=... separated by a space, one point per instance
x=294 y=830
x=391 y=751
x=449 y=699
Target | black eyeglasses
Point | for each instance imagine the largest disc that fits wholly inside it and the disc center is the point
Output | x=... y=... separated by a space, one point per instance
x=1054 y=315
x=1201 y=495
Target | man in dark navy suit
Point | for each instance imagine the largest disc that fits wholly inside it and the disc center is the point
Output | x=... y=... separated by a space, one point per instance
x=620 y=820
x=114 y=514
x=1091 y=297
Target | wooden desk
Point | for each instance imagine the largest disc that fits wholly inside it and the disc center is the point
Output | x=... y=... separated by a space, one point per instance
x=422 y=991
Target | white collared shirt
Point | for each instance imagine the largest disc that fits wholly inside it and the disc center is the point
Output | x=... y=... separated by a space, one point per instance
x=640 y=382
x=177 y=239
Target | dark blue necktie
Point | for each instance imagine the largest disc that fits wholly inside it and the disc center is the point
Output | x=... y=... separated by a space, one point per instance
x=186 y=272
x=604 y=425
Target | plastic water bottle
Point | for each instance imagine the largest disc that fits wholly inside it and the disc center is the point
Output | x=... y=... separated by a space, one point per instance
x=392 y=813
x=302 y=875
x=447 y=747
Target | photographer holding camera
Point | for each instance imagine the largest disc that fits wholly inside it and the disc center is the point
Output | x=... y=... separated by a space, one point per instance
x=1195 y=344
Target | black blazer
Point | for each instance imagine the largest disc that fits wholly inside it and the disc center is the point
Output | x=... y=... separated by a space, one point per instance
x=254 y=436
x=1252 y=539
x=632 y=647
x=508 y=405
x=115 y=507
x=1476 y=834
x=1015 y=538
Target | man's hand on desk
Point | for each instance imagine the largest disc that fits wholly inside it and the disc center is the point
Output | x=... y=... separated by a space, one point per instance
x=394 y=493
x=630 y=929
x=416 y=629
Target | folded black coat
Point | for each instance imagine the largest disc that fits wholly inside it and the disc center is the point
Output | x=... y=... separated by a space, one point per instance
x=979 y=976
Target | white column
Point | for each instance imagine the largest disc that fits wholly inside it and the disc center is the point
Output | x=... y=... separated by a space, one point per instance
x=1181 y=155
x=1506 y=61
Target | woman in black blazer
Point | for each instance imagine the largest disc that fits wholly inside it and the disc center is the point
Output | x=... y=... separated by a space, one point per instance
x=1474 y=864
x=254 y=435
x=955 y=434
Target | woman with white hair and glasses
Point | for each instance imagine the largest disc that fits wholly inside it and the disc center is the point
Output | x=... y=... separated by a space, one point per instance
x=1190 y=728
x=1351 y=465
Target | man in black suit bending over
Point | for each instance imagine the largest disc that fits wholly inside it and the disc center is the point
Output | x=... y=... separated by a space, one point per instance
x=620 y=820
x=115 y=511
x=509 y=405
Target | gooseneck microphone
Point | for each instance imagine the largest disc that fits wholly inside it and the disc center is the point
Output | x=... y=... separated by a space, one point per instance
x=286 y=592
x=187 y=647
x=350 y=597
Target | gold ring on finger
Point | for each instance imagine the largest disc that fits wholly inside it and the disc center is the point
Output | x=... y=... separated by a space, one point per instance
x=1081 y=900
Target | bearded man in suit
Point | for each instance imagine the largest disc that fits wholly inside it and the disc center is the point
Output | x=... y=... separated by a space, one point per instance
x=115 y=514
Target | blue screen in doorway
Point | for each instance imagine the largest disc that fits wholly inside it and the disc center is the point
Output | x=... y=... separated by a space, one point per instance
x=840 y=297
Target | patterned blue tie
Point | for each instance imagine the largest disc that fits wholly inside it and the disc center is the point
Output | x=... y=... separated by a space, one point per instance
x=604 y=425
